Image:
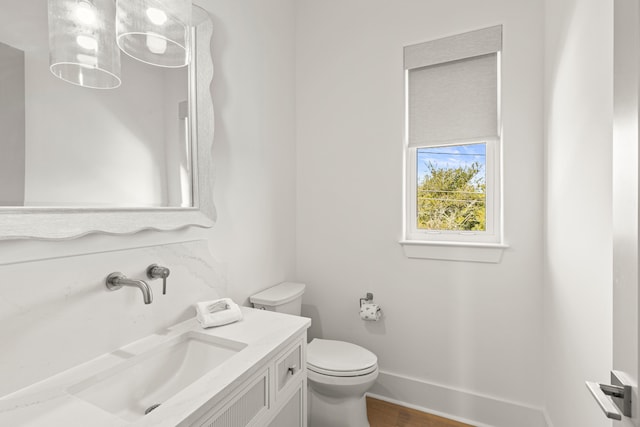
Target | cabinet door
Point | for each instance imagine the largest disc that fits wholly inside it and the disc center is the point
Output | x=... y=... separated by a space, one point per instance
x=291 y=413
x=244 y=409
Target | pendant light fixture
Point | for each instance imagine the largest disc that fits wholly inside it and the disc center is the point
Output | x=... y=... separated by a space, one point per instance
x=82 y=43
x=155 y=31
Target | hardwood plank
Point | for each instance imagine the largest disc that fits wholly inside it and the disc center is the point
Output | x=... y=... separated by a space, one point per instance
x=386 y=414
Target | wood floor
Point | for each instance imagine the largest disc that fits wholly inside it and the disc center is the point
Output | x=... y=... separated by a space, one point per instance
x=385 y=414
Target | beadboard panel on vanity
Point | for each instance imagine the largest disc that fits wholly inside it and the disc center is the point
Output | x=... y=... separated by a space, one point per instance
x=57 y=313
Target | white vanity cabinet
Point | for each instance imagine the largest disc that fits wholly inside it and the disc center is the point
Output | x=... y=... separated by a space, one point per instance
x=275 y=396
x=262 y=383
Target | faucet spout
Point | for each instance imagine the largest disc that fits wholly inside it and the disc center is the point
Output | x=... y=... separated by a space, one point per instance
x=118 y=280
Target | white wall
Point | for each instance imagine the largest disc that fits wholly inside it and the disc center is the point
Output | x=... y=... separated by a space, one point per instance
x=254 y=147
x=252 y=244
x=578 y=249
x=470 y=327
x=12 y=126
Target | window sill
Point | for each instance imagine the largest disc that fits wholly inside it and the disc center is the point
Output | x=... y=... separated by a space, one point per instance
x=453 y=251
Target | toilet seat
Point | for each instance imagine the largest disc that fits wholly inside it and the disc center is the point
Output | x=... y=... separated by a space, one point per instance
x=341 y=373
x=339 y=359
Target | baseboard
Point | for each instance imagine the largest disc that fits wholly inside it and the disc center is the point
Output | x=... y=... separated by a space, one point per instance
x=458 y=405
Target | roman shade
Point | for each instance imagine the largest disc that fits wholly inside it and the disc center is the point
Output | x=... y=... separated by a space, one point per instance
x=452 y=88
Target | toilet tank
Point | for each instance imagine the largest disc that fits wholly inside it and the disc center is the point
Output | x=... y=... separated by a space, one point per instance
x=283 y=298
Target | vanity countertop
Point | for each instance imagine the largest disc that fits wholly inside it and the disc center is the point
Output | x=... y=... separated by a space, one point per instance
x=49 y=403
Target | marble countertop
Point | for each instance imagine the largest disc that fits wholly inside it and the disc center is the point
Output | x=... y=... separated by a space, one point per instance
x=50 y=403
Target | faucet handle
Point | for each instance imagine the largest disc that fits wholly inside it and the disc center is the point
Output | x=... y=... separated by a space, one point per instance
x=113 y=279
x=154 y=271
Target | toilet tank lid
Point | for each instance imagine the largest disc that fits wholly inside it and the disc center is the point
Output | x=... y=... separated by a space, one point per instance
x=280 y=294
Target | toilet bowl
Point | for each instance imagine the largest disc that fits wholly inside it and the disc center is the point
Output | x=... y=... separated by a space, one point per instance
x=339 y=373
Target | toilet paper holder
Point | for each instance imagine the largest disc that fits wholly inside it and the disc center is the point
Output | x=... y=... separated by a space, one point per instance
x=366 y=299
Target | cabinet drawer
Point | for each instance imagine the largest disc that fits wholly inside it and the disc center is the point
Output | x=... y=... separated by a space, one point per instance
x=289 y=366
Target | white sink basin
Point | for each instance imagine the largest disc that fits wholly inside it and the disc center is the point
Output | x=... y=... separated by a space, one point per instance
x=137 y=384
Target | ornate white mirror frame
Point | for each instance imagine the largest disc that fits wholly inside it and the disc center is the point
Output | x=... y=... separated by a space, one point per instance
x=67 y=223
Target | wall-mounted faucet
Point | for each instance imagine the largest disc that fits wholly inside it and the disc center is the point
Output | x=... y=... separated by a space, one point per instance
x=117 y=280
x=155 y=271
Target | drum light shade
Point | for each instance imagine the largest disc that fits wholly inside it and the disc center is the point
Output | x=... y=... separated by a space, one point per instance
x=155 y=31
x=82 y=46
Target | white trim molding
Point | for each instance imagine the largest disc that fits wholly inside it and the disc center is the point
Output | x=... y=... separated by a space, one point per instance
x=454 y=251
x=460 y=405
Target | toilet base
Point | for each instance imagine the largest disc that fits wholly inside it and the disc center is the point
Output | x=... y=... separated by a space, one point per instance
x=327 y=411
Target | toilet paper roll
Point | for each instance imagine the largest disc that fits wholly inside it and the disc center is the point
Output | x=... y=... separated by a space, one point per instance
x=371 y=312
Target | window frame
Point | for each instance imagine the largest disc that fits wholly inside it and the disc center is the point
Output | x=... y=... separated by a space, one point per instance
x=493 y=232
x=494 y=235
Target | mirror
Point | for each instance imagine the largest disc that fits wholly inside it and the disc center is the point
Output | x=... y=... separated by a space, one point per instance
x=75 y=160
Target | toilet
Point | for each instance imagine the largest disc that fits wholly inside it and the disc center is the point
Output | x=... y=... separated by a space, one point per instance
x=339 y=373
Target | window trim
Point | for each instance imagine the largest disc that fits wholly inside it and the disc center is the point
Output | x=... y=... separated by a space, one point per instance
x=455 y=245
x=454 y=251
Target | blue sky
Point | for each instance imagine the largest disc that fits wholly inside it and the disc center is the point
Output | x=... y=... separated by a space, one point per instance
x=451 y=156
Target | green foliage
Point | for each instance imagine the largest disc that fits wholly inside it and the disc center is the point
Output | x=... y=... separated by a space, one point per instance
x=452 y=199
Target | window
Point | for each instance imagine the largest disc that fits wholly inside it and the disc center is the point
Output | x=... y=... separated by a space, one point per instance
x=453 y=139
x=451 y=188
